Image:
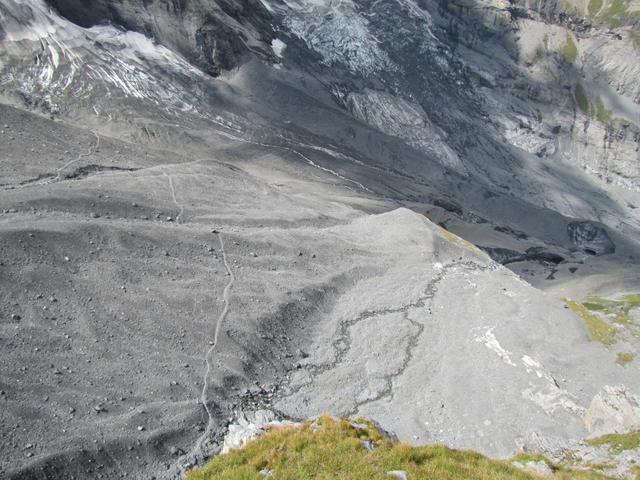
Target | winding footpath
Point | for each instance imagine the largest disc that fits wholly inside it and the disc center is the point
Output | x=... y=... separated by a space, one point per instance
x=295 y=152
x=90 y=152
x=196 y=452
x=50 y=178
x=173 y=195
x=204 y=398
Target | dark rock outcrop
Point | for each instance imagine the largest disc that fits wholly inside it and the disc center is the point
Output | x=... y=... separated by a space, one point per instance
x=214 y=35
x=505 y=256
x=590 y=238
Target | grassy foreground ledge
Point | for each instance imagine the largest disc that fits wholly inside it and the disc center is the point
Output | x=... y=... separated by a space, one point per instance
x=618 y=442
x=330 y=449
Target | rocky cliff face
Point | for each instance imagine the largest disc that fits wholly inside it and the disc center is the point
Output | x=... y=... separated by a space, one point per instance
x=215 y=36
x=556 y=81
x=548 y=79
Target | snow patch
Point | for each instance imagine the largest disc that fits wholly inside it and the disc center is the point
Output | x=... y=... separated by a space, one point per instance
x=278 y=47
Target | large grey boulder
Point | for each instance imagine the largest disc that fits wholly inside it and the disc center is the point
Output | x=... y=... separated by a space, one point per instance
x=613 y=410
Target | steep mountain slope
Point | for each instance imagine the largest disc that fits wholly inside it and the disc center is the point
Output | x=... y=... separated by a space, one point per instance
x=214 y=206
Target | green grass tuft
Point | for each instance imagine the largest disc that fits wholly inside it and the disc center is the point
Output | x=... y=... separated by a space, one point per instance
x=594 y=307
x=525 y=457
x=611 y=13
x=616 y=13
x=594 y=7
x=330 y=449
x=632 y=300
x=453 y=238
x=617 y=310
x=617 y=442
x=619 y=307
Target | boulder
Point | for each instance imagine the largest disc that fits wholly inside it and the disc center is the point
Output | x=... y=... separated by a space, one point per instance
x=613 y=410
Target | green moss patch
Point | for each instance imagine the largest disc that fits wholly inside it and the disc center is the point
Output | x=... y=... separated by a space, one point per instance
x=594 y=7
x=599 y=330
x=624 y=358
x=617 y=442
x=616 y=13
x=570 y=50
x=580 y=96
x=617 y=307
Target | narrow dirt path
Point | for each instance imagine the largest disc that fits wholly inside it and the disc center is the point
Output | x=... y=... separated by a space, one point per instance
x=91 y=150
x=49 y=178
x=295 y=152
x=196 y=451
x=173 y=196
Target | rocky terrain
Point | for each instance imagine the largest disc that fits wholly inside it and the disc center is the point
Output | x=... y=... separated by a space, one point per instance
x=421 y=212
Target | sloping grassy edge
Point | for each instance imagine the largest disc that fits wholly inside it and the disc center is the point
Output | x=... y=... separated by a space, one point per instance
x=617 y=442
x=328 y=448
x=599 y=330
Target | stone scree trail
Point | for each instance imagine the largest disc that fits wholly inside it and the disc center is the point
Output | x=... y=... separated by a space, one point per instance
x=192 y=456
x=204 y=400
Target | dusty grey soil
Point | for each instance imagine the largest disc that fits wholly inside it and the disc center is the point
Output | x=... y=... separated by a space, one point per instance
x=113 y=307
